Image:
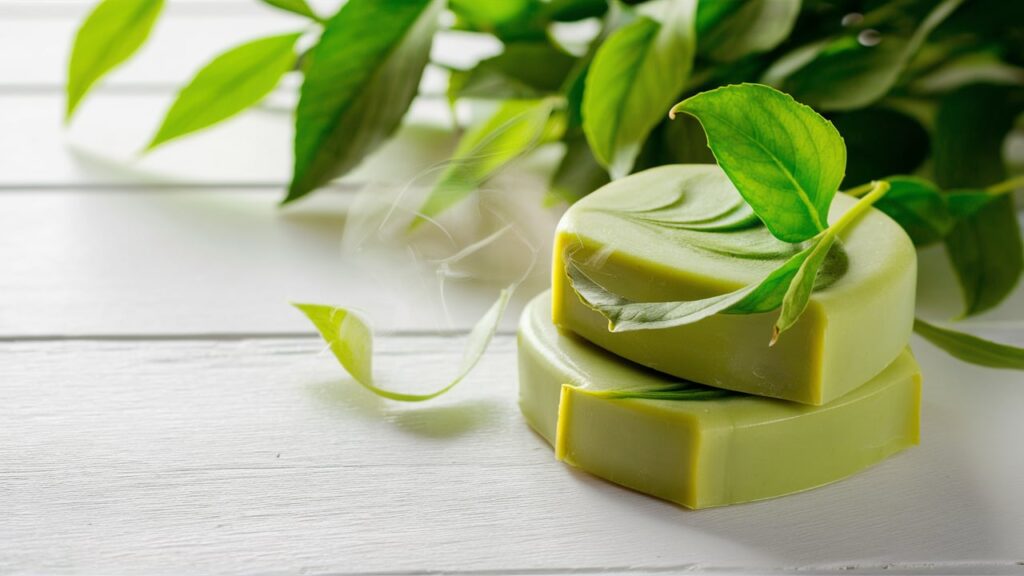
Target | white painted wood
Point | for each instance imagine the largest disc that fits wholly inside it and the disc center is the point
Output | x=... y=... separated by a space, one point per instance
x=202 y=262
x=243 y=457
x=103 y=145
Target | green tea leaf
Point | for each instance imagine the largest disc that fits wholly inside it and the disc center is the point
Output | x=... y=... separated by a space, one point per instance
x=351 y=342
x=985 y=249
x=849 y=73
x=516 y=128
x=789 y=286
x=785 y=159
x=634 y=78
x=299 y=7
x=919 y=207
x=361 y=79
x=523 y=70
x=574 y=10
x=625 y=315
x=112 y=32
x=510 y=20
x=799 y=292
x=230 y=83
x=971 y=348
x=902 y=150
x=731 y=29
x=985 y=246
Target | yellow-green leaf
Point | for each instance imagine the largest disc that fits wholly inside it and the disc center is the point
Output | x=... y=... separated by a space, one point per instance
x=351 y=341
x=230 y=83
x=110 y=35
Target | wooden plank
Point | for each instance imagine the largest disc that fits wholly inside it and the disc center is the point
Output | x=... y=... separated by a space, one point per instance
x=102 y=148
x=201 y=262
x=244 y=457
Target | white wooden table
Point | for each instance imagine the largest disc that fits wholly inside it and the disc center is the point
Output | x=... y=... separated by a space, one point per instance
x=163 y=410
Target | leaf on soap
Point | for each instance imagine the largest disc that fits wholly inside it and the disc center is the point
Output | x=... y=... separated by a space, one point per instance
x=919 y=207
x=984 y=247
x=110 y=35
x=970 y=348
x=846 y=73
x=230 y=83
x=299 y=7
x=625 y=315
x=524 y=70
x=682 y=392
x=798 y=294
x=636 y=75
x=517 y=127
x=731 y=29
x=351 y=341
x=902 y=150
x=360 y=81
x=783 y=157
x=790 y=286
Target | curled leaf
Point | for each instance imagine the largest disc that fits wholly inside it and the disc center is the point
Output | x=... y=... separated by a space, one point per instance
x=351 y=341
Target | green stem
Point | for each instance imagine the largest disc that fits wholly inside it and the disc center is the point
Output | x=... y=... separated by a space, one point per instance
x=1006 y=186
x=877 y=189
x=859 y=190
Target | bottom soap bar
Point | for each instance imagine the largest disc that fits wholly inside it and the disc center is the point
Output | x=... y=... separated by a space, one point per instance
x=703 y=453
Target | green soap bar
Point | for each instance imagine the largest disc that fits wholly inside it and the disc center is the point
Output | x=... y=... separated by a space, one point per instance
x=728 y=450
x=851 y=330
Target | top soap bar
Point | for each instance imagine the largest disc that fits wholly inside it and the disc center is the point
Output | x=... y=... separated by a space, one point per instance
x=683 y=233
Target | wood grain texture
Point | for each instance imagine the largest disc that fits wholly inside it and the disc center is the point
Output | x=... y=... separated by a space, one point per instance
x=250 y=457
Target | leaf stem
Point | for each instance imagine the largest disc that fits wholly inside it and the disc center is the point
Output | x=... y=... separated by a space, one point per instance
x=878 y=188
x=859 y=190
x=1006 y=186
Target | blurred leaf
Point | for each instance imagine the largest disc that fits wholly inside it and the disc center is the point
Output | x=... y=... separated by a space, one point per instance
x=848 y=73
x=299 y=7
x=985 y=247
x=880 y=141
x=783 y=157
x=574 y=10
x=112 y=32
x=634 y=78
x=361 y=79
x=578 y=174
x=510 y=20
x=919 y=207
x=523 y=70
x=227 y=85
x=731 y=29
x=971 y=348
x=516 y=128
x=351 y=341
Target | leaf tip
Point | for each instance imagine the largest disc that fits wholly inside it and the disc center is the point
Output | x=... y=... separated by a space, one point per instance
x=775 y=336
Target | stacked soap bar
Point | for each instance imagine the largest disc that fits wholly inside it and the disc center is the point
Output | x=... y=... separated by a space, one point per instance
x=837 y=393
